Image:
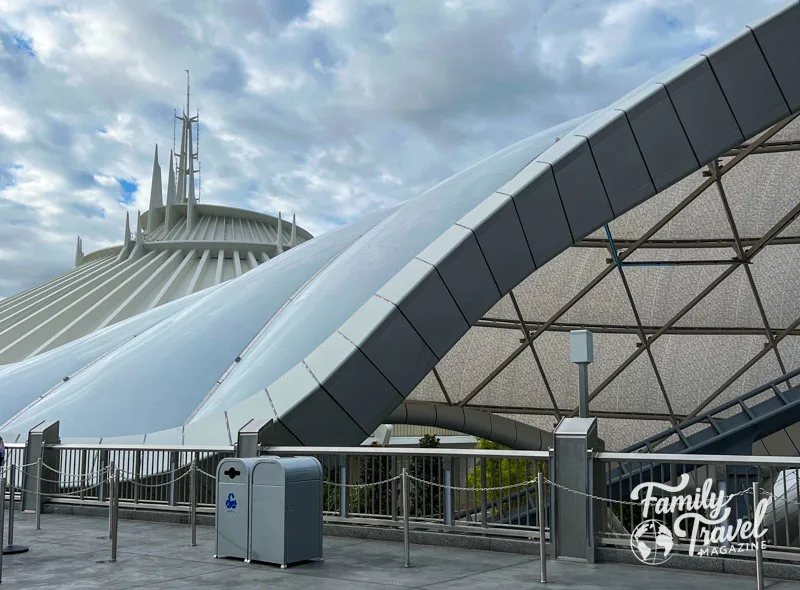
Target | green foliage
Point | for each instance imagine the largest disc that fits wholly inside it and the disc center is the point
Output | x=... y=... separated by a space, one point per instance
x=503 y=472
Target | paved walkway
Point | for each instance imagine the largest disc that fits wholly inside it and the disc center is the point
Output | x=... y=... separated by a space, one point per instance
x=72 y=552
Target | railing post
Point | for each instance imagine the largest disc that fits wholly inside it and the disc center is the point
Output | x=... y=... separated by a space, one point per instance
x=2 y=521
x=114 y=514
x=11 y=501
x=193 y=501
x=173 y=466
x=542 y=550
x=484 y=522
x=759 y=554
x=448 y=491
x=343 y=483
x=406 y=548
x=394 y=487
x=111 y=473
x=38 y=493
x=137 y=476
x=553 y=529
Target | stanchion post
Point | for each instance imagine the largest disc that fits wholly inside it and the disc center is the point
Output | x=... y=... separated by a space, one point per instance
x=448 y=491
x=343 y=492
x=111 y=491
x=542 y=521
x=484 y=502
x=759 y=554
x=193 y=501
x=38 y=493
x=11 y=493
x=2 y=519
x=406 y=548
x=114 y=504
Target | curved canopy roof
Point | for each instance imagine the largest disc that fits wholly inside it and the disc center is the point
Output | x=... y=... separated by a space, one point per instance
x=327 y=339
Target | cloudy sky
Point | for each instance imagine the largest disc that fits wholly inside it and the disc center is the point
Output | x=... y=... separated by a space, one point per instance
x=325 y=108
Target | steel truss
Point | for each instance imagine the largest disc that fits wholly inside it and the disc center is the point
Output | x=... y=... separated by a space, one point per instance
x=744 y=249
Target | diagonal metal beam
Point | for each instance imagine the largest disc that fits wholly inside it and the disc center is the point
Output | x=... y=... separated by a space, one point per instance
x=441 y=384
x=714 y=169
x=513 y=324
x=622 y=256
x=749 y=254
x=743 y=369
x=527 y=334
x=639 y=327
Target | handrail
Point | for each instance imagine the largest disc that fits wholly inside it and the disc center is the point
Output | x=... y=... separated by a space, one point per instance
x=748 y=460
x=143 y=447
x=411 y=452
x=703 y=417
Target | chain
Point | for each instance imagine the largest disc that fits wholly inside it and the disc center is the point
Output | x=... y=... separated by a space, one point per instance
x=577 y=493
x=206 y=473
x=474 y=489
x=131 y=480
x=362 y=485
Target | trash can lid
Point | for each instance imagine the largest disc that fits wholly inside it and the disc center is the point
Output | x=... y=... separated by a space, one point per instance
x=234 y=469
x=283 y=470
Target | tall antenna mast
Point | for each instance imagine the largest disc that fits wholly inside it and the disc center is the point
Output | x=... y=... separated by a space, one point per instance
x=188 y=87
x=197 y=155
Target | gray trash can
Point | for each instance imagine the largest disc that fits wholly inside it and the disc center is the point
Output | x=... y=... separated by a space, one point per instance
x=286 y=510
x=233 y=505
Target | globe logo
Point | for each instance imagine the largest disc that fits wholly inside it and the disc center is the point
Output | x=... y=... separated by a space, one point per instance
x=651 y=542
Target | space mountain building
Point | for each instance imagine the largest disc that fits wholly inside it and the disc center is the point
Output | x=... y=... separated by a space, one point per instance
x=666 y=223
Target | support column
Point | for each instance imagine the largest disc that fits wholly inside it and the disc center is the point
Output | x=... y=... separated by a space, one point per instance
x=39 y=438
x=576 y=518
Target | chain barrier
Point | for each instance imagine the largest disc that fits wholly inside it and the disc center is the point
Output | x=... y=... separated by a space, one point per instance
x=206 y=473
x=363 y=485
x=476 y=489
x=131 y=479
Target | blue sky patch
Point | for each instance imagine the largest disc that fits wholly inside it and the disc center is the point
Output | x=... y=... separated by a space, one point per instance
x=129 y=188
x=24 y=44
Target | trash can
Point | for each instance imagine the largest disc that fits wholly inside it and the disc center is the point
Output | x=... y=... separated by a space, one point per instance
x=286 y=510
x=233 y=503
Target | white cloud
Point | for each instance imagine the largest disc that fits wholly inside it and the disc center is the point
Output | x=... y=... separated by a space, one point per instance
x=326 y=108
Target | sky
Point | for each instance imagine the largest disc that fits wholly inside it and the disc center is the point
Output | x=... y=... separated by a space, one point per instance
x=324 y=108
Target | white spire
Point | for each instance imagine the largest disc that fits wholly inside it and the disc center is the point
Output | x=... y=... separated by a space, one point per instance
x=78 y=251
x=126 y=239
x=138 y=249
x=169 y=212
x=191 y=211
x=280 y=234
x=293 y=240
x=156 y=197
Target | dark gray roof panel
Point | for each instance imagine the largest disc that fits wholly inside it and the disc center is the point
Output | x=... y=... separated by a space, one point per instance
x=353 y=381
x=463 y=268
x=748 y=84
x=622 y=168
x=660 y=135
x=579 y=184
x=702 y=109
x=540 y=211
x=777 y=37
x=390 y=342
x=499 y=232
x=307 y=410
x=421 y=295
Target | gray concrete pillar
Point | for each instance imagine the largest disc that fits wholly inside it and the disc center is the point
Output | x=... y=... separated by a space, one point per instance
x=39 y=438
x=576 y=519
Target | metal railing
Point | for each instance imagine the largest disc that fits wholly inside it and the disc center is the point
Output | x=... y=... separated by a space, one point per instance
x=150 y=476
x=454 y=488
x=776 y=478
x=461 y=489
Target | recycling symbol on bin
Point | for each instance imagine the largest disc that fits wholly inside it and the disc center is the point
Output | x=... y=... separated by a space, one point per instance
x=230 y=503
